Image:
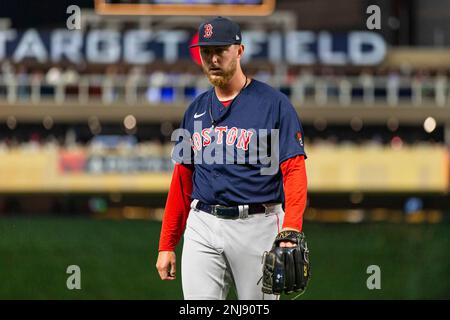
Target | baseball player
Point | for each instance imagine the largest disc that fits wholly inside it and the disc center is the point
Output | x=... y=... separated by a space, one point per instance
x=230 y=212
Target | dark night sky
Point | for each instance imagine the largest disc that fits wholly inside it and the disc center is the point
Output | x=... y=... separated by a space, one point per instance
x=36 y=13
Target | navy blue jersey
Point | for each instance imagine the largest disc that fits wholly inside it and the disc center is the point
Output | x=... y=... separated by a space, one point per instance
x=230 y=146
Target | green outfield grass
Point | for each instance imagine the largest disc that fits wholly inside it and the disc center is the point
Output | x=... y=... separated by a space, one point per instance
x=117 y=260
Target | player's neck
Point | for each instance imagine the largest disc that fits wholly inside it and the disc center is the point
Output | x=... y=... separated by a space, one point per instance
x=232 y=89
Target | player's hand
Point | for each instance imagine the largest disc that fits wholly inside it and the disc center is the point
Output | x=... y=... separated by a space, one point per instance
x=288 y=244
x=166 y=265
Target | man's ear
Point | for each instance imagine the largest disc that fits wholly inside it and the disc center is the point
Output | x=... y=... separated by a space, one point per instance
x=240 y=50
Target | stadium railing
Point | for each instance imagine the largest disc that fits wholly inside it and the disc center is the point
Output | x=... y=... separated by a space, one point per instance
x=160 y=88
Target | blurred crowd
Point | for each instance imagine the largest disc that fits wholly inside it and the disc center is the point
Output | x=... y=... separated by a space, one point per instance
x=155 y=139
x=159 y=83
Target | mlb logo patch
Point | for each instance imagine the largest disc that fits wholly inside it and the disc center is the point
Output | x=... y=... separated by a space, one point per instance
x=299 y=138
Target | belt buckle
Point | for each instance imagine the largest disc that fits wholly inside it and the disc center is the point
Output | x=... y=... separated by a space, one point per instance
x=214 y=209
x=243 y=211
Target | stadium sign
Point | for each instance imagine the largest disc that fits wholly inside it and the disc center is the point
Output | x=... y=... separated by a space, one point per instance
x=141 y=46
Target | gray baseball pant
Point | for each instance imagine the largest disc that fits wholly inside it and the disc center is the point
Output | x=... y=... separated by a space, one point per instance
x=219 y=253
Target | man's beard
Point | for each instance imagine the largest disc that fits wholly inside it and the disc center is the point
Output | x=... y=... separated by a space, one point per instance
x=221 y=79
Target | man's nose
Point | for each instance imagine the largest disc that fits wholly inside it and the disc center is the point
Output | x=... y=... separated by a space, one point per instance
x=214 y=58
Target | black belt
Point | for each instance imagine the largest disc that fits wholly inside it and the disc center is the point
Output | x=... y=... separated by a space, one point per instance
x=231 y=212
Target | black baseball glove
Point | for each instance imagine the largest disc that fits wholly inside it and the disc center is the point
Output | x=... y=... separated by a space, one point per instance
x=286 y=270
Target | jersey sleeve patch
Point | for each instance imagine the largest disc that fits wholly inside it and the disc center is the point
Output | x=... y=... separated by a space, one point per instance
x=299 y=138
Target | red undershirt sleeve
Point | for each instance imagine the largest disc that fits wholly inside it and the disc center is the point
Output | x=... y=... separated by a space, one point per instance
x=295 y=191
x=177 y=207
